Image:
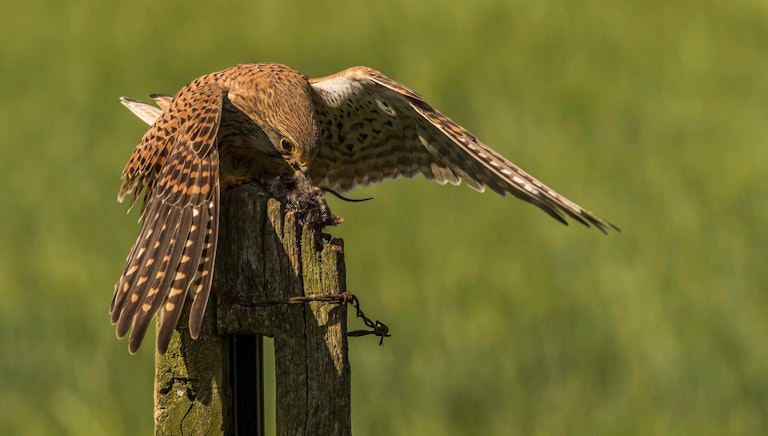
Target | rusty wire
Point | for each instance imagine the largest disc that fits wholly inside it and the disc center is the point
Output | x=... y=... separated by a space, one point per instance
x=377 y=328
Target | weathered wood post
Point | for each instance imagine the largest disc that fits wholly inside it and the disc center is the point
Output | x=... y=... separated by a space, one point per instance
x=263 y=254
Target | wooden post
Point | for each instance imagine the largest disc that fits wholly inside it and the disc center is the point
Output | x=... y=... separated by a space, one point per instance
x=263 y=254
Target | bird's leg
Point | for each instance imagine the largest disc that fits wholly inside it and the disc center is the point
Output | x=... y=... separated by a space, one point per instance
x=231 y=182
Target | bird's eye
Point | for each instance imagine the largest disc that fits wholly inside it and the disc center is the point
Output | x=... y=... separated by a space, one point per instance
x=287 y=146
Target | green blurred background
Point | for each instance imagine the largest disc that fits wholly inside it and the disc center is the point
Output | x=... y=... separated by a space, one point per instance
x=650 y=113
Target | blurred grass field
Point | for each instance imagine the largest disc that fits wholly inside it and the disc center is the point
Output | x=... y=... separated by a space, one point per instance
x=651 y=113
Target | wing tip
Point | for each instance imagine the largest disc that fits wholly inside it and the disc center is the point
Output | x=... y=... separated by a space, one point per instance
x=133 y=349
x=591 y=220
x=585 y=217
x=164 y=336
x=611 y=225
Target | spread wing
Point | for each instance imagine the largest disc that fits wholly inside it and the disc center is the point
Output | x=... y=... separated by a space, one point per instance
x=374 y=128
x=176 y=164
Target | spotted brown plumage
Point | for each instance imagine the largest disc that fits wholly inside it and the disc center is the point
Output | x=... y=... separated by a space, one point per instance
x=256 y=122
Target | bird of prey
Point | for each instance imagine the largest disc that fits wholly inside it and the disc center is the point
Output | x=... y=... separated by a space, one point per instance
x=260 y=121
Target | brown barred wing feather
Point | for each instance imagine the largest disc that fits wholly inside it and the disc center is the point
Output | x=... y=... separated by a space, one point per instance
x=177 y=163
x=374 y=128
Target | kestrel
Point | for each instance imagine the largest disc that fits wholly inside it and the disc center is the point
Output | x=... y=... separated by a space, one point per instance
x=260 y=121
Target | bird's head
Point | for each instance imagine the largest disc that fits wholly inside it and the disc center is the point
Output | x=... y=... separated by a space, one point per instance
x=279 y=100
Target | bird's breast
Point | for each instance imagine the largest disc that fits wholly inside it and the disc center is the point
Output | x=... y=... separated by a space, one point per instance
x=242 y=163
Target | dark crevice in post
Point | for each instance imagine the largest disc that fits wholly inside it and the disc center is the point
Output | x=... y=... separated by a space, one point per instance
x=247 y=383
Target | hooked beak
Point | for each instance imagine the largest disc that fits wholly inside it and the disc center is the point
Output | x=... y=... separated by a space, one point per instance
x=301 y=166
